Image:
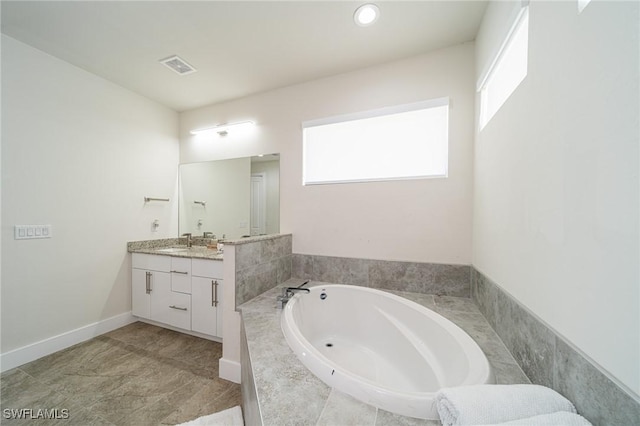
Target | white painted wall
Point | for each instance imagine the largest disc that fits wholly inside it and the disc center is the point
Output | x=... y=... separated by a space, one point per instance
x=419 y=220
x=81 y=154
x=556 y=179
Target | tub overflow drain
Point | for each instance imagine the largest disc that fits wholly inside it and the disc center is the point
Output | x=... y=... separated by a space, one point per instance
x=328 y=345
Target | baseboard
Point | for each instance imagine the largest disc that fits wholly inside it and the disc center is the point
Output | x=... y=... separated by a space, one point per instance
x=179 y=330
x=25 y=354
x=229 y=370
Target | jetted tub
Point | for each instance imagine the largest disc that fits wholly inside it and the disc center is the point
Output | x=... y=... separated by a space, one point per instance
x=380 y=348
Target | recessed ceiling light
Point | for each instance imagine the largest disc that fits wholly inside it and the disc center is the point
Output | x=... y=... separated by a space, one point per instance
x=366 y=15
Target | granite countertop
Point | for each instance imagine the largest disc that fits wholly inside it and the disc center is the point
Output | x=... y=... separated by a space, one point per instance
x=198 y=250
x=288 y=393
x=160 y=247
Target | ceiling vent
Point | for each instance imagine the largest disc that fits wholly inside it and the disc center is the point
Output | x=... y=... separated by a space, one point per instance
x=178 y=65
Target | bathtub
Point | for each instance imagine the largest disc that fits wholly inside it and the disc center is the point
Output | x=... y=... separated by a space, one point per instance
x=380 y=348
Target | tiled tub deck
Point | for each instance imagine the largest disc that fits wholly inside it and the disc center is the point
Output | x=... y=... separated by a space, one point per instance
x=278 y=390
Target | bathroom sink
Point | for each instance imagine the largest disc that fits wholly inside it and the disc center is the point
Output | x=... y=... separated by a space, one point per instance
x=173 y=250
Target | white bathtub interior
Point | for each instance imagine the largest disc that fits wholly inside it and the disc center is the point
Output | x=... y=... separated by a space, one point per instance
x=380 y=348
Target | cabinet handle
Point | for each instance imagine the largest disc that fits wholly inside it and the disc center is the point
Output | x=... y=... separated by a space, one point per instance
x=214 y=291
x=178 y=308
x=179 y=272
x=148 y=283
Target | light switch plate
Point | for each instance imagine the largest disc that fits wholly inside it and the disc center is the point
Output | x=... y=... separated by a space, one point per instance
x=29 y=232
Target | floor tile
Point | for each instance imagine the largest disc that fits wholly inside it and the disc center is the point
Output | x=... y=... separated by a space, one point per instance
x=137 y=375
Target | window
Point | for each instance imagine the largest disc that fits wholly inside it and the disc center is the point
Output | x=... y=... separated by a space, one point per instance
x=402 y=142
x=508 y=70
x=582 y=4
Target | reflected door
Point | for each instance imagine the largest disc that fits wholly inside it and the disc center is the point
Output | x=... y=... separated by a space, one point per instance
x=258 y=204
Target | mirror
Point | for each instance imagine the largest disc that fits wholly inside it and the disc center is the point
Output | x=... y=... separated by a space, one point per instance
x=236 y=198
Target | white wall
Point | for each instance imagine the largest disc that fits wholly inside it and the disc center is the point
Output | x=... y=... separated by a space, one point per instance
x=81 y=154
x=419 y=220
x=556 y=179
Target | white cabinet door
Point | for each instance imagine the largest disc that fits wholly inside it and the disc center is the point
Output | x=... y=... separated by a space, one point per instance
x=168 y=306
x=140 y=297
x=148 y=271
x=206 y=300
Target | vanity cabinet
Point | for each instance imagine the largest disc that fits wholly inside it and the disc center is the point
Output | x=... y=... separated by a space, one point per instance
x=177 y=291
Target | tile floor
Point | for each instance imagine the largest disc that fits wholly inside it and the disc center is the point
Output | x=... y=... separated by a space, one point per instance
x=137 y=375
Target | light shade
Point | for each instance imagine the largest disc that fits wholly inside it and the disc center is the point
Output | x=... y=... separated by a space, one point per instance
x=223 y=129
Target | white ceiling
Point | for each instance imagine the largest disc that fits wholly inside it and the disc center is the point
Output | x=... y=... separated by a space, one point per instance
x=238 y=47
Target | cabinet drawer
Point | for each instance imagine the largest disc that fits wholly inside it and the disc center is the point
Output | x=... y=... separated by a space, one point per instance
x=181 y=274
x=151 y=262
x=172 y=308
x=207 y=268
x=178 y=311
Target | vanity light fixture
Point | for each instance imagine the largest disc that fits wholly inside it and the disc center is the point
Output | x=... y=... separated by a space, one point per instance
x=366 y=15
x=223 y=129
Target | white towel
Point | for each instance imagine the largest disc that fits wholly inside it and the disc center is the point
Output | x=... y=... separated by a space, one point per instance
x=491 y=404
x=229 y=417
x=563 y=418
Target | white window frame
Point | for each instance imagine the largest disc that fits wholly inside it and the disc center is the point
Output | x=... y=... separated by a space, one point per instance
x=310 y=144
x=486 y=114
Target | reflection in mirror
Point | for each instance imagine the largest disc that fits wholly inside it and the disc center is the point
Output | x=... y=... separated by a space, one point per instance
x=235 y=198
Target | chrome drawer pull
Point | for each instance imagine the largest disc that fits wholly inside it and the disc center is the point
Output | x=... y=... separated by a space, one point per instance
x=179 y=272
x=214 y=291
x=148 y=283
x=178 y=308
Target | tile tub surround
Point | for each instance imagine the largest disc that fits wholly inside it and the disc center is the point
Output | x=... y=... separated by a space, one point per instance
x=549 y=360
x=280 y=390
x=261 y=263
x=415 y=277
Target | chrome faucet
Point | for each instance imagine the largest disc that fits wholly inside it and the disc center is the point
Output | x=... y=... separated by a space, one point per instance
x=209 y=235
x=189 y=242
x=288 y=292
